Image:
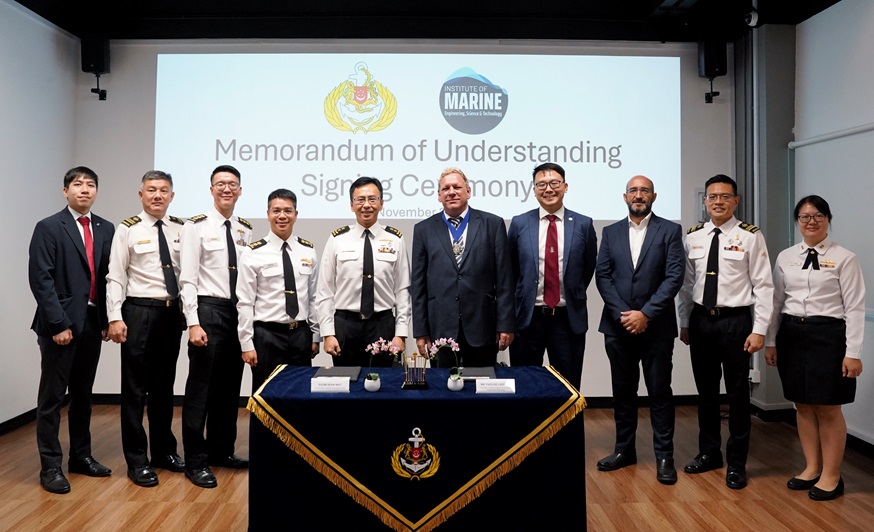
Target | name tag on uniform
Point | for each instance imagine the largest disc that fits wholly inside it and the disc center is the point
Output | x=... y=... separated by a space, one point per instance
x=329 y=385
x=496 y=386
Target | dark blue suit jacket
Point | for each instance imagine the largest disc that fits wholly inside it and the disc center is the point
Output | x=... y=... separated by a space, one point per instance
x=60 y=278
x=649 y=288
x=580 y=250
x=478 y=292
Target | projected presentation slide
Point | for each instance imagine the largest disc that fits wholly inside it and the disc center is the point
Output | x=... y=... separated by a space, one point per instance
x=313 y=123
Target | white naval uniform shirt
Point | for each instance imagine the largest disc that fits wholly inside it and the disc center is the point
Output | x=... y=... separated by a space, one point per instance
x=261 y=285
x=342 y=269
x=204 y=259
x=835 y=290
x=135 y=260
x=744 y=271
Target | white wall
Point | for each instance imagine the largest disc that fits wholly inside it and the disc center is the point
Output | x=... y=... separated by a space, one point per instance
x=833 y=92
x=39 y=64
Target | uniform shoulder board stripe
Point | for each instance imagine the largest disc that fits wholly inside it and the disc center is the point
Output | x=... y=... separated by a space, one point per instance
x=258 y=244
x=394 y=231
x=133 y=220
x=306 y=243
x=197 y=219
x=340 y=231
x=244 y=222
x=693 y=229
x=749 y=227
x=176 y=220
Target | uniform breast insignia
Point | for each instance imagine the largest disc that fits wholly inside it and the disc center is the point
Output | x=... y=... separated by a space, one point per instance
x=693 y=229
x=242 y=240
x=306 y=262
x=749 y=227
x=197 y=219
x=825 y=263
x=304 y=242
x=245 y=223
x=258 y=244
x=386 y=245
x=340 y=231
x=394 y=231
x=176 y=220
x=132 y=221
x=415 y=460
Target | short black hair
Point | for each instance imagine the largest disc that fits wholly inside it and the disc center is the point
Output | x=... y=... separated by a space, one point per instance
x=225 y=168
x=79 y=171
x=282 y=193
x=548 y=166
x=154 y=175
x=721 y=178
x=362 y=181
x=818 y=202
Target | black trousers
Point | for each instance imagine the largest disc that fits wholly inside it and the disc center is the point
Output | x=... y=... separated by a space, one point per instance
x=355 y=334
x=627 y=355
x=212 y=391
x=717 y=348
x=72 y=366
x=552 y=333
x=148 y=372
x=276 y=344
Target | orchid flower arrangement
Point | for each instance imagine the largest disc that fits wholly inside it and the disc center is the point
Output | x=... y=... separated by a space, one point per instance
x=380 y=347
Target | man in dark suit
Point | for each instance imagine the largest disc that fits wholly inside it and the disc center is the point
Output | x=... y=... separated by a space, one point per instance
x=461 y=287
x=640 y=270
x=69 y=256
x=552 y=253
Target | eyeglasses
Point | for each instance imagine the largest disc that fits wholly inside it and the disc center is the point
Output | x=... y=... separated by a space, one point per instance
x=361 y=200
x=805 y=218
x=552 y=184
x=230 y=185
x=278 y=212
x=643 y=190
x=713 y=197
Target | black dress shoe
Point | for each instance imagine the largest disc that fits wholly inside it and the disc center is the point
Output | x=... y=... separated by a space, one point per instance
x=170 y=462
x=232 y=462
x=54 y=481
x=88 y=466
x=201 y=477
x=736 y=478
x=666 y=473
x=143 y=476
x=799 y=484
x=818 y=494
x=617 y=461
x=702 y=463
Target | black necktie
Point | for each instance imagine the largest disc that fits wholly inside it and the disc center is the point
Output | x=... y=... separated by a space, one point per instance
x=291 y=307
x=166 y=262
x=367 y=278
x=712 y=274
x=812 y=260
x=232 y=261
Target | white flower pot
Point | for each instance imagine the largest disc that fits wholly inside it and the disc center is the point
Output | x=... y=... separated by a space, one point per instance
x=454 y=385
x=371 y=386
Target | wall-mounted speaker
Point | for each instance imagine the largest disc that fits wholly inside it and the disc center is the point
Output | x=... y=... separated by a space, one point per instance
x=712 y=59
x=95 y=55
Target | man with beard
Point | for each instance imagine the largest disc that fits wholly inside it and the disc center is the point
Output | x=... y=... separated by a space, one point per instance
x=552 y=254
x=640 y=270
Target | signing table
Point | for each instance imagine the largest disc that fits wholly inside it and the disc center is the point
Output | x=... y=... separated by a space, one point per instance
x=417 y=459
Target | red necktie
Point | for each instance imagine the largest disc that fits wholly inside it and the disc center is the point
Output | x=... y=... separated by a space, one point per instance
x=89 y=252
x=550 y=266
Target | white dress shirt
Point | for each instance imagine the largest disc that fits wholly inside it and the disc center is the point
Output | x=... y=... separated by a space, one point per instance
x=541 y=254
x=636 y=236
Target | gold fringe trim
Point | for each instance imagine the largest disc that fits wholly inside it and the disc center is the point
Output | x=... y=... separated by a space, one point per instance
x=458 y=500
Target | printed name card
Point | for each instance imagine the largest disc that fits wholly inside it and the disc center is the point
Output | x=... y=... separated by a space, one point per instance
x=329 y=385
x=496 y=386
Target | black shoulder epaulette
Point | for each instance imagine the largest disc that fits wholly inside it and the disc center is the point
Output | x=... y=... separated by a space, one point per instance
x=306 y=243
x=394 y=231
x=176 y=220
x=245 y=222
x=197 y=219
x=749 y=227
x=340 y=231
x=258 y=244
x=133 y=220
x=693 y=229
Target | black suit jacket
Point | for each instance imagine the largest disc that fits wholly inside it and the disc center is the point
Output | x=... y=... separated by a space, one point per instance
x=649 y=288
x=60 y=278
x=478 y=292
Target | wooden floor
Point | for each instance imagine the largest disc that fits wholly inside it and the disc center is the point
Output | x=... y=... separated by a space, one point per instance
x=624 y=500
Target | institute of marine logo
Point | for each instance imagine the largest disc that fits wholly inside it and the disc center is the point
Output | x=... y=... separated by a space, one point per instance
x=360 y=104
x=415 y=460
